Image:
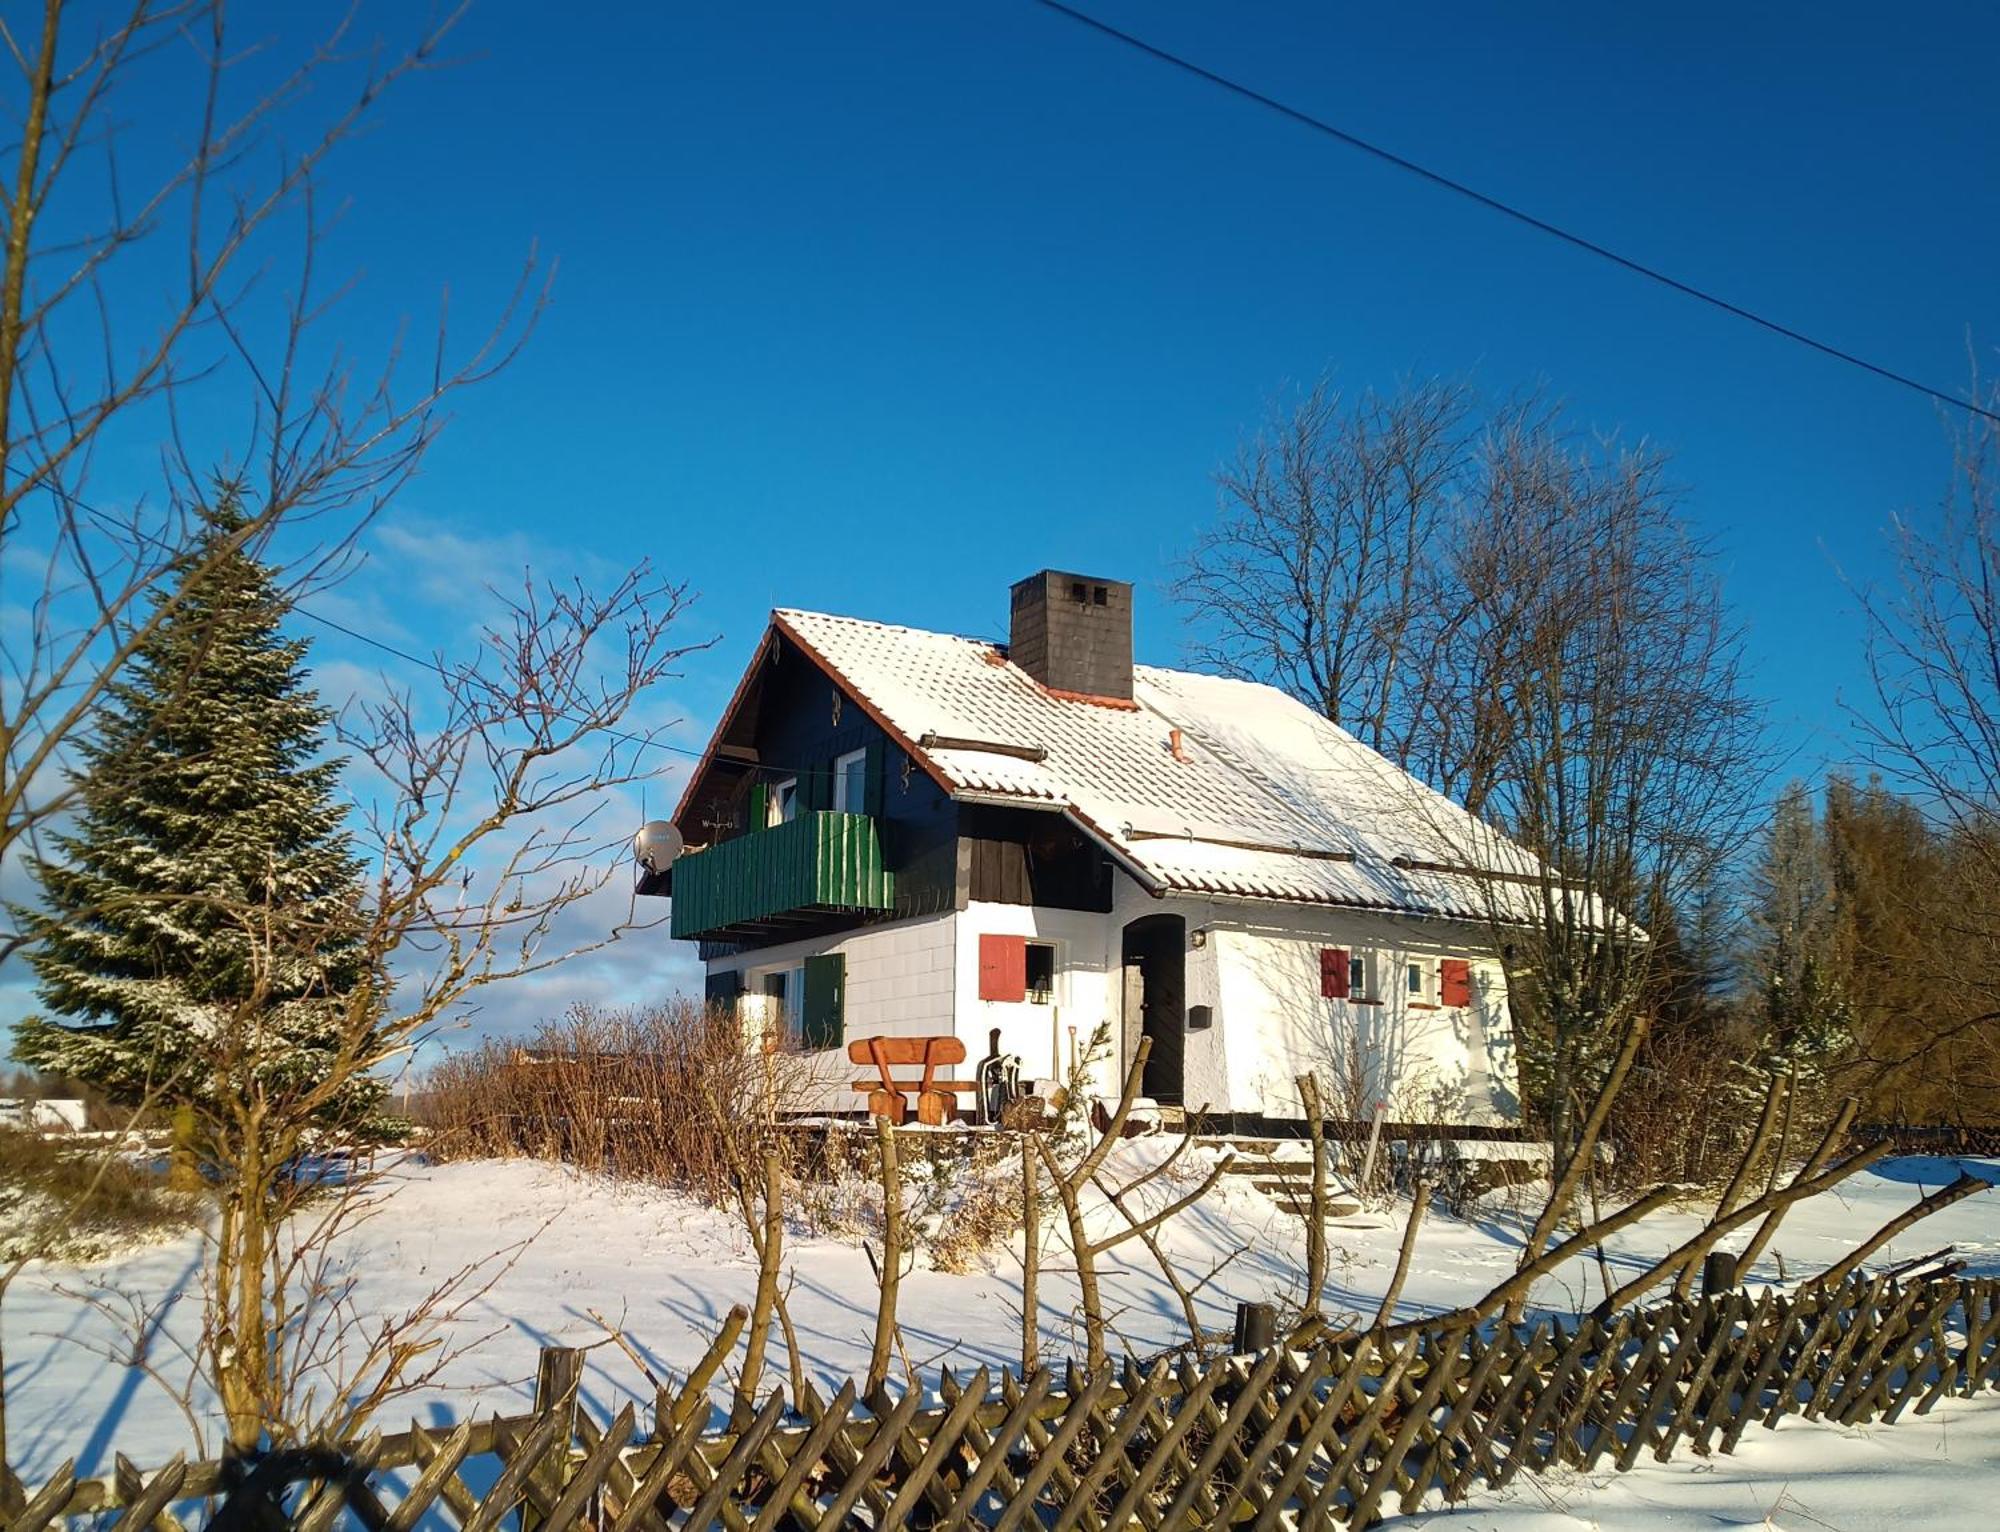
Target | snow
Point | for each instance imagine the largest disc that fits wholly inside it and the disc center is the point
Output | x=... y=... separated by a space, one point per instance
x=62 y=1115
x=666 y=1270
x=1926 y=1473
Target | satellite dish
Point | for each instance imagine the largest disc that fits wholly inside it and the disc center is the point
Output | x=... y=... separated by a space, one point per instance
x=657 y=845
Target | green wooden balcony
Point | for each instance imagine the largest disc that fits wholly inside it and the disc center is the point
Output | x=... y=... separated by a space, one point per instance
x=821 y=863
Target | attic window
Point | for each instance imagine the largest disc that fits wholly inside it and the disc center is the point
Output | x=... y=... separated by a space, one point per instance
x=1077 y=593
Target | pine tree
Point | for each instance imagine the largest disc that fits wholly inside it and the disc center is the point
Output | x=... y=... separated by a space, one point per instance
x=1807 y=1017
x=199 y=937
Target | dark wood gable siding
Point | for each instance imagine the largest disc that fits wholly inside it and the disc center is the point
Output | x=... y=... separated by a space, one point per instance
x=792 y=726
x=942 y=854
x=1030 y=856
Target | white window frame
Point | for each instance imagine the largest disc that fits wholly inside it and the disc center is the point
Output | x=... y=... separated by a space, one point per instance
x=1359 y=971
x=784 y=803
x=841 y=763
x=1425 y=992
x=788 y=1022
x=1051 y=995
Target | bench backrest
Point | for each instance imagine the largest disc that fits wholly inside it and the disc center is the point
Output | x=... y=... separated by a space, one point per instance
x=910 y=1051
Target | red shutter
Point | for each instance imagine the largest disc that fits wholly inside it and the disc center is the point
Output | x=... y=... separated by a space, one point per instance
x=1003 y=967
x=1333 y=972
x=1455 y=981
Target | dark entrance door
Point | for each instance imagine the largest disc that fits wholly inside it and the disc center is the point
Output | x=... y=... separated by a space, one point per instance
x=1156 y=977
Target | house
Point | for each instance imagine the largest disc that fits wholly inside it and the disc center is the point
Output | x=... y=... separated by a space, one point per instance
x=43 y=1114
x=911 y=833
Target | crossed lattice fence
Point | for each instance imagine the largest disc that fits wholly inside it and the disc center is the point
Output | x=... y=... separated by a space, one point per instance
x=1336 y=1435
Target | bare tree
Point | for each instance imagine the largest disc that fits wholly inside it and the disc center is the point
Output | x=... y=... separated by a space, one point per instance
x=1933 y=730
x=1521 y=617
x=113 y=323
x=135 y=285
x=1314 y=575
x=1602 y=677
x=889 y=1272
x=1069 y=1182
x=486 y=837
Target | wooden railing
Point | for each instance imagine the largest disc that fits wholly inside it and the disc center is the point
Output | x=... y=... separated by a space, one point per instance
x=822 y=860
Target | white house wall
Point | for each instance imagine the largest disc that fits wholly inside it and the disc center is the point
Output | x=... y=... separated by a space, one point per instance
x=899 y=983
x=1426 y=1061
x=1255 y=966
x=1084 y=997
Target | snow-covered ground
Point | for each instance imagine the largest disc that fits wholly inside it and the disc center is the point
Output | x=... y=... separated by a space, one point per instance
x=665 y=1270
x=1926 y=1473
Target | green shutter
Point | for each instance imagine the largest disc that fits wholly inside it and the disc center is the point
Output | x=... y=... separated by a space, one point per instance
x=721 y=990
x=871 y=772
x=823 y=1016
x=759 y=806
x=819 y=788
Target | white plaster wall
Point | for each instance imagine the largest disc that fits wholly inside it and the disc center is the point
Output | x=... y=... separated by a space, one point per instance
x=1255 y=966
x=1089 y=994
x=1426 y=1060
x=899 y=983
x=1086 y=994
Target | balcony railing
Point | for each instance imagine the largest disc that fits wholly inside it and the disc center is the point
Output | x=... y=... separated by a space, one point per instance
x=819 y=863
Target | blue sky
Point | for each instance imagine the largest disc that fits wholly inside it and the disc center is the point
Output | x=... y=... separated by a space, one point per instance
x=874 y=308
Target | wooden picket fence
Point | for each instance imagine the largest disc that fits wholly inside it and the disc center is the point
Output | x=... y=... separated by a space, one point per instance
x=1340 y=1434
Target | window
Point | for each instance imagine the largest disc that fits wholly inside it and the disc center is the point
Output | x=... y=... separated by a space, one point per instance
x=1041 y=985
x=850 y=782
x=784 y=801
x=1417 y=980
x=1357 y=977
x=778 y=992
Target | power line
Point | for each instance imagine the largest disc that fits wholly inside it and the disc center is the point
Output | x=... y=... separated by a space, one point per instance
x=1508 y=210
x=433 y=665
x=772 y=767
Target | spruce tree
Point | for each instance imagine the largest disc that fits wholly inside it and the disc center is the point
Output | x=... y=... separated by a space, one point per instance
x=199 y=938
x=1807 y=1017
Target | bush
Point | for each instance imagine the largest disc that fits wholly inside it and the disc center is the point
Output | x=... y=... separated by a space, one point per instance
x=1688 y=1109
x=674 y=1093
x=41 y=1178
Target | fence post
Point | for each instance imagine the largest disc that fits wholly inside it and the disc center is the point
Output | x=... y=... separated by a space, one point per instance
x=1375 y=1120
x=1256 y=1327
x=558 y=1376
x=1718 y=1273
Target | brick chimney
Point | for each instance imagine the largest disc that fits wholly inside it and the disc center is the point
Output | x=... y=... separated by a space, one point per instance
x=1073 y=633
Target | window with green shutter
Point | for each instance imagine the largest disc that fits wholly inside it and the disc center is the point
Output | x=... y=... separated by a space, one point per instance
x=721 y=991
x=822 y=1018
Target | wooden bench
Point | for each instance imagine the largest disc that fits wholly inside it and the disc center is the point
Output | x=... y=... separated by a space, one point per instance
x=889 y=1097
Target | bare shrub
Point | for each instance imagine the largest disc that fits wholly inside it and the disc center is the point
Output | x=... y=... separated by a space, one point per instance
x=99 y=1205
x=1687 y=1112
x=622 y=1093
x=983 y=1208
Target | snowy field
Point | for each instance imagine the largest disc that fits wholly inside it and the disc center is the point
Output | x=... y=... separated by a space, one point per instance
x=666 y=1270
x=1926 y=1473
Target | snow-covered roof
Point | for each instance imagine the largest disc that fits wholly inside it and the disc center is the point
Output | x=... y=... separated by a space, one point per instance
x=1265 y=800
